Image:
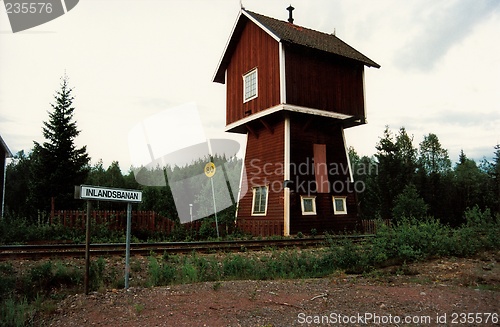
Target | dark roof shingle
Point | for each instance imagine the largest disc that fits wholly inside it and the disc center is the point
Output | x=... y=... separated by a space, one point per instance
x=296 y=34
x=292 y=34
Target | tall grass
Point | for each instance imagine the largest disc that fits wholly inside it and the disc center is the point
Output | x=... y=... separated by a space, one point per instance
x=409 y=240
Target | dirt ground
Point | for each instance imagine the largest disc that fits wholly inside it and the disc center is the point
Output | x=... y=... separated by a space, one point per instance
x=445 y=292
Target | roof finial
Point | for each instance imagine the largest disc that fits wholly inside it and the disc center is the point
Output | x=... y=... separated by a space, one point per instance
x=290 y=17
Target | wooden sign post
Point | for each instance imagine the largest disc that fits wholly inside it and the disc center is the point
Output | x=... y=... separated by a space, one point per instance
x=100 y=193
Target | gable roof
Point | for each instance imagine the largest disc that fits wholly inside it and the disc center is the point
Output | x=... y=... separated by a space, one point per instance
x=290 y=33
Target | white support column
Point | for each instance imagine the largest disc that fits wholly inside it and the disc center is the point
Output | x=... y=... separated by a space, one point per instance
x=351 y=177
x=286 y=202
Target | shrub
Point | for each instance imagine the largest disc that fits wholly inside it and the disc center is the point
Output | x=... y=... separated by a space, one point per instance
x=409 y=204
x=207 y=231
x=348 y=256
x=160 y=274
x=237 y=266
x=15 y=313
x=7 y=280
x=96 y=273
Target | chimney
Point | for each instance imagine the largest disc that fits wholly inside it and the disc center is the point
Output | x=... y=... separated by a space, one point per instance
x=290 y=18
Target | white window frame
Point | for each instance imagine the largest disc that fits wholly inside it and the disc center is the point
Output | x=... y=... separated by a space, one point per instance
x=344 y=204
x=254 y=191
x=308 y=213
x=253 y=96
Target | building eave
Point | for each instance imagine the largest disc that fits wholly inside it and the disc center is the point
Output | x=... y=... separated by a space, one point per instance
x=8 y=154
x=239 y=126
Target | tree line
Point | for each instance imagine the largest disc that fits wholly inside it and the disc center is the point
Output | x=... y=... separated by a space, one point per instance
x=400 y=180
x=423 y=182
x=45 y=177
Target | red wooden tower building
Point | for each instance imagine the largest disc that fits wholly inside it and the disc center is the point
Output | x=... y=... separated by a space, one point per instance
x=293 y=91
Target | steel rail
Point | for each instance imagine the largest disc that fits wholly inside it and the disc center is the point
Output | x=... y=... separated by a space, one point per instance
x=9 y=252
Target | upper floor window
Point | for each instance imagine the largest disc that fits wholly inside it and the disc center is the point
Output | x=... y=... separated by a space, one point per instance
x=250 y=85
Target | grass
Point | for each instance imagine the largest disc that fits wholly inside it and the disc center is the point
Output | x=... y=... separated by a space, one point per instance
x=23 y=295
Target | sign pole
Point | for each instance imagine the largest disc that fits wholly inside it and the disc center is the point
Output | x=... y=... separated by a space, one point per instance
x=102 y=193
x=87 y=250
x=210 y=172
x=215 y=208
x=127 y=246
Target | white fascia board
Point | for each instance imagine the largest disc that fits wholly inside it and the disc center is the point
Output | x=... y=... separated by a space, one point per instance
x=290 y=108
x=351 y=177
x=282 y=73
x=8 y=153
x=364 y=93
x=256 y=22
x=255 y=116
x=316 y=112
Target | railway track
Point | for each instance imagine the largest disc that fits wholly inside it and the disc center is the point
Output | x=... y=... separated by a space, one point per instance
x=14 y=252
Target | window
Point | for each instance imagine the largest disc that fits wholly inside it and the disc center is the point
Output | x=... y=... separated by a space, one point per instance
x=250 y=85
x=339 y=205
x=308 y=204
x=259 y=204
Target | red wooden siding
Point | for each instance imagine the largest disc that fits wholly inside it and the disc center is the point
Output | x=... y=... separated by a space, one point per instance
x=255 y=49
x=261 y=226
x=304 y=135
x=264 y=166
x=117 y=220
x=324 y=81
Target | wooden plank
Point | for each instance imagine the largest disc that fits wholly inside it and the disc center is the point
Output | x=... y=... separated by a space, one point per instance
x=254 y=49
x=324 y=81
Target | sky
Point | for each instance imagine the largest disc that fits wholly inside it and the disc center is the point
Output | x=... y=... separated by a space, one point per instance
x=132 y=62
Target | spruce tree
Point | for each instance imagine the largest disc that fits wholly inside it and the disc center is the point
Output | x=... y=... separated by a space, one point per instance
x=60 y=165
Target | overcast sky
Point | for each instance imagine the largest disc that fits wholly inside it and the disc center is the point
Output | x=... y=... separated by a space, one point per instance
x=130 y=60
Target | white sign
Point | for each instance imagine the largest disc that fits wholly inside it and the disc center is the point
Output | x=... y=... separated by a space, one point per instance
x=100 y=193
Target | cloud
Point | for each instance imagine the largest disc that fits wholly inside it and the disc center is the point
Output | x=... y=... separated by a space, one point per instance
x=439 y=29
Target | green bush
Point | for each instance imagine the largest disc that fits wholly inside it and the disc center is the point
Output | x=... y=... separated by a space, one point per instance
x=344 y=254
x=208 y=269
x=16 y=312
x=409 y=204
x=96 y=273
x=207 y=231
x=7 y=280
x=160 y=274
x=235 y=266
x=408 y=240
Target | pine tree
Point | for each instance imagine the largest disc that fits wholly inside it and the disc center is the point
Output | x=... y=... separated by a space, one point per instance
x=59 y=165
x=396 y=159
x=434 y=181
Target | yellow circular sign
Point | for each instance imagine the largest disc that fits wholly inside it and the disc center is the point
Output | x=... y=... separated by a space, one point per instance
x=210 y=169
